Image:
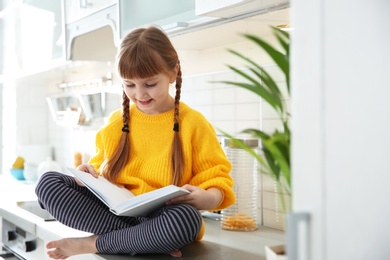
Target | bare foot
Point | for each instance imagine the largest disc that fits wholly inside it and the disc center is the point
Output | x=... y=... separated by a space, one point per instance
x=64 y=248
x=176 y=253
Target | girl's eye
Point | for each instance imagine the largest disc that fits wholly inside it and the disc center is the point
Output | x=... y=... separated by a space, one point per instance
x=129 y=85
x=151 y=85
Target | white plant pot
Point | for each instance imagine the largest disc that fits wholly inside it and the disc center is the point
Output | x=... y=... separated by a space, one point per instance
x=277 y=252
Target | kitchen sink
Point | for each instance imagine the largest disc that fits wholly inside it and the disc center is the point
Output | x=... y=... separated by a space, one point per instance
x=34 y=208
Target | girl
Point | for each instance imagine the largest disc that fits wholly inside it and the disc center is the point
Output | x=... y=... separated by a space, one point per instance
x=145 y=146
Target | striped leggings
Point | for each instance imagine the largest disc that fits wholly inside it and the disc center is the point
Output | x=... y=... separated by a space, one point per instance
x=165 y=230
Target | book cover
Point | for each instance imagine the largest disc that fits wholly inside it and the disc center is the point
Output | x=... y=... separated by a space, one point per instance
x=121 y=201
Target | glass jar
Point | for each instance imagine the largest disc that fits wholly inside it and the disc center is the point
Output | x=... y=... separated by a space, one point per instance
x=242 y=216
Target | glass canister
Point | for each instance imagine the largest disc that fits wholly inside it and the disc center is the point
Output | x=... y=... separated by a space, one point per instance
x=242 y=216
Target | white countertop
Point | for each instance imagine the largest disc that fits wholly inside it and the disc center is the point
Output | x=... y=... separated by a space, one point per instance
x=216 y=244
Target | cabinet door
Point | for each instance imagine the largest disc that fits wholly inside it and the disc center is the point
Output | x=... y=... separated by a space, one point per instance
x=32 y=33
x=78 y=9
x=340 y=146
x=137 y=13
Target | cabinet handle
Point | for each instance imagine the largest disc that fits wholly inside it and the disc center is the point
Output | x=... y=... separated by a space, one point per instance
x=30 y=245
x=11 y=235
x=175 y=25
x=293 y=220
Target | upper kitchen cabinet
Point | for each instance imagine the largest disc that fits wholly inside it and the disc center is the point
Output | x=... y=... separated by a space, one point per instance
x=91 y=29
x=32 y=34
x=169 y=14
x=237 y=8
x=79 y=9
x=102 y=23
x=178 y=17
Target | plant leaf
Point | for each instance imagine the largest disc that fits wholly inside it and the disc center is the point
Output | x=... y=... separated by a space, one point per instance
x=276 y=148
x=259 y=90
x=267 y=82
x=279 y=58
x=275 y=157
x=283 y=38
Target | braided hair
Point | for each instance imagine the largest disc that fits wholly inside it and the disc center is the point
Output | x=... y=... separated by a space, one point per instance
x=144 y=53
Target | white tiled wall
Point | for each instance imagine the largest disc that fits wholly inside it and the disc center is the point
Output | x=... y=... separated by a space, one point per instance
x=8 y=118
x=227 y=107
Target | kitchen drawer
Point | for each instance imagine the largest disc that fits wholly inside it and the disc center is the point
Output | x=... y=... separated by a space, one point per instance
x=18 y=221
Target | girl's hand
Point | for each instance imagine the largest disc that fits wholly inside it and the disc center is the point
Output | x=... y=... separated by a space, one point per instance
x=199 y=198
x=86 y=168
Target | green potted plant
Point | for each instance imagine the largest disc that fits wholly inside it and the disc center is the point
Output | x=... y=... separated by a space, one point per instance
x=275 y=157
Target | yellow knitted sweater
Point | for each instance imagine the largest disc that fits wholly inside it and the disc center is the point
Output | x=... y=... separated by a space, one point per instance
x=151 y=137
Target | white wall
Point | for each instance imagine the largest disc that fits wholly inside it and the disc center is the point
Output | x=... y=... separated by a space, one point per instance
x=229 y=108
x=341 y=126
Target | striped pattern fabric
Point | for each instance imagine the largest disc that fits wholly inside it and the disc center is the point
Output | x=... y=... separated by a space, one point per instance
x=165 y=230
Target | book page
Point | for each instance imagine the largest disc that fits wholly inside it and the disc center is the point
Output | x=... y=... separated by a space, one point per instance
x=106 y=191
x=143 y=204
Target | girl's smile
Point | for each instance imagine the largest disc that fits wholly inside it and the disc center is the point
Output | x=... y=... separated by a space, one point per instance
x=145 y=103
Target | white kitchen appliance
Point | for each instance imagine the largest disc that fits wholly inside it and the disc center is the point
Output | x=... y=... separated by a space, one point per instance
x=21 y=242
x=19 y=237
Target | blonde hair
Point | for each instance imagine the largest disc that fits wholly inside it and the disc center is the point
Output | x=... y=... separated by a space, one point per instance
x=143 y=53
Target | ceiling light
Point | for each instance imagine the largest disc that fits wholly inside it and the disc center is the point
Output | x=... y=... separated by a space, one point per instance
x=285 y=27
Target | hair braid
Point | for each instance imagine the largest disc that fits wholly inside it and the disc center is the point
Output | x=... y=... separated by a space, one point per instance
x=177 y=153
x=125 y=108
x=119 y=159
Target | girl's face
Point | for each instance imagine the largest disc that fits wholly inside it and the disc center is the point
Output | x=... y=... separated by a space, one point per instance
x=151 y=95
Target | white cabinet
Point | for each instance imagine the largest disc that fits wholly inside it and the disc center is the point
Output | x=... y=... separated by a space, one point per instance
x=102 y=27
x=165 y=13
x=88 y=18
x=341 y=126
x=234 y=8
x=78 y=9
x=32 y=34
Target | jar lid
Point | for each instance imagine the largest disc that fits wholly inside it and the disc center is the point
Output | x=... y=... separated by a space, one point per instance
x=251 y=142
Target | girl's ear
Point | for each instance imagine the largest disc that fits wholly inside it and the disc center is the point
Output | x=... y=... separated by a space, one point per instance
x=174 y=72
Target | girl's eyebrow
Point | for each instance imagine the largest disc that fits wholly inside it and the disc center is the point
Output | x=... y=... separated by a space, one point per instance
x=151 y=78
x=144 y=79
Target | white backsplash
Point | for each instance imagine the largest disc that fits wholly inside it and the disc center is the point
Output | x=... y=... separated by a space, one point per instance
x=229 y=108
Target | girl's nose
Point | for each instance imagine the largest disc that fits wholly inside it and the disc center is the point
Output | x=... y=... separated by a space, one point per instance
x=140 y=92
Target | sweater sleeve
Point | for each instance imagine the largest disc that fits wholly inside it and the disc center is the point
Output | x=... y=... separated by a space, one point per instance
x=211 y=168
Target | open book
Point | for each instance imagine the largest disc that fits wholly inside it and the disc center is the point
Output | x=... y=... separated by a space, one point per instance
x=124 y=203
